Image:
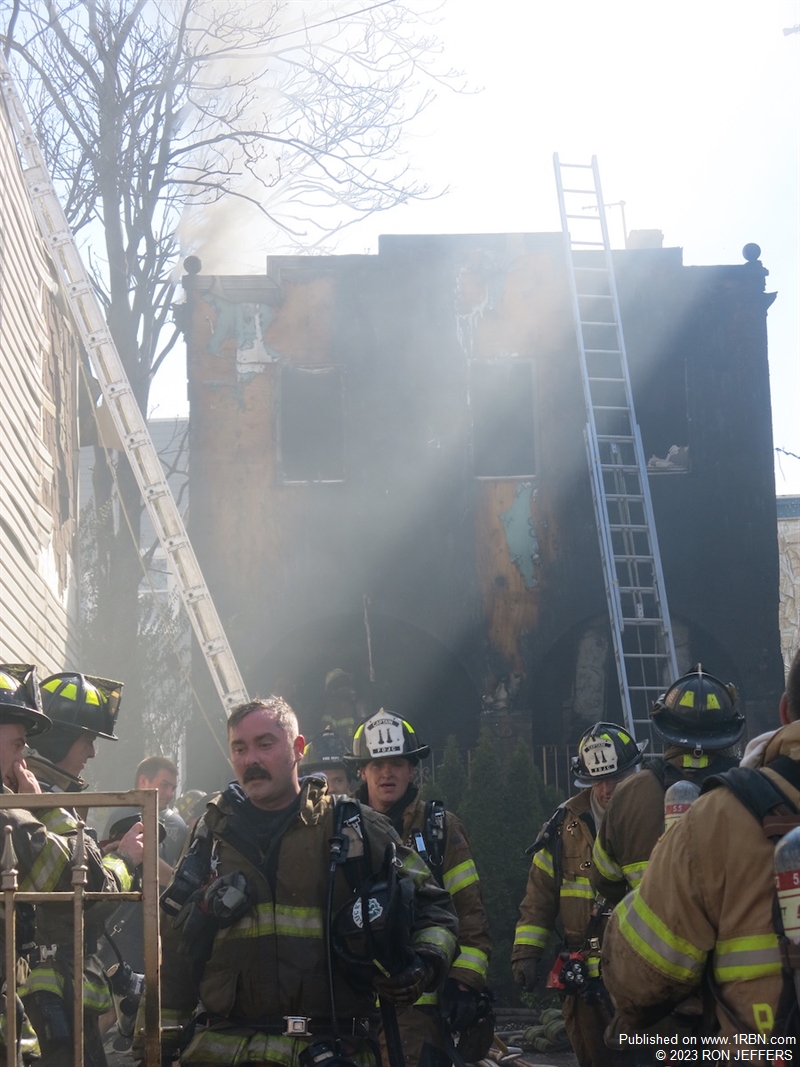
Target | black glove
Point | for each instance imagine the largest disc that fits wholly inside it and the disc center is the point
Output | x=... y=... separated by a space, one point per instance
x=226 y=899
x=526 y=972
x=459 y=1006
x=408 y=985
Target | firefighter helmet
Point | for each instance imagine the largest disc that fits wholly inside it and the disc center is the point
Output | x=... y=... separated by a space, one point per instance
x=191 y=804
x=323 y=752
x=699 y=711
x=385 y=734
x=605 y=751
x=82 y=704
x=20 y=698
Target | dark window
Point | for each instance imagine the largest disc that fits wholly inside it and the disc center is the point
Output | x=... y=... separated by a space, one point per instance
x=311 y=424
x=501 y=398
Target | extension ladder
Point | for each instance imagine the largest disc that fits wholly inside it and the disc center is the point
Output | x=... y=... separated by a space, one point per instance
x=637 y=601
x=118 y=395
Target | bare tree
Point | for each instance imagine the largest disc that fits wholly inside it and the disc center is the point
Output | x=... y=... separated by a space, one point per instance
x=148 y=108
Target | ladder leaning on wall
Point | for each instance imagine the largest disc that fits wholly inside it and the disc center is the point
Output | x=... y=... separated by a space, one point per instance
x=637 y=601
x=118 y=395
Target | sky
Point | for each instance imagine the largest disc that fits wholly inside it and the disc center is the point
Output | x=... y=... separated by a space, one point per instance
x=691 y=106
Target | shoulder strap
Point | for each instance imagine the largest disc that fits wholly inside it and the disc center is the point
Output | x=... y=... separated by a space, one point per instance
x=760 y=796
x=348 y=817
x=434 y=831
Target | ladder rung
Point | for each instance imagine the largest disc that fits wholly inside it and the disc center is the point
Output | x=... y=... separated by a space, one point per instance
x=643 y=621
x=621 y=468
x=610 y=407
x=625 y=496
x=584 y=192
x=622 y=527
x=591 y=322
x=608 y=381
x=583 y=218
x=577 y=246
x=658 y=657
x=602 y=351
x=622 y=439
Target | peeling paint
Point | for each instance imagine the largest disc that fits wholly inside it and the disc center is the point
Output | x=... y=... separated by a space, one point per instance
x=521 y=540
x=247 y=324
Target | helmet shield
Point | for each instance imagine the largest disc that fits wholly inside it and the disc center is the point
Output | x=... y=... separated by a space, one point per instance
x=83 y=703
x=21 y=699
x=384 y=735
x=699 y=711
x=605 y=751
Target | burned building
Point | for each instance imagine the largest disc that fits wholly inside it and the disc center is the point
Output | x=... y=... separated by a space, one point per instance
x=390 y=487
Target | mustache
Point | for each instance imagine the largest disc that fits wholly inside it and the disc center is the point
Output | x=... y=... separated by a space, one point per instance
x=254 y=772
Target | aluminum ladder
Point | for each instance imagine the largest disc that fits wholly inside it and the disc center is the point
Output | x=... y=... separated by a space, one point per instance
x=637 y=601
x=118 y=395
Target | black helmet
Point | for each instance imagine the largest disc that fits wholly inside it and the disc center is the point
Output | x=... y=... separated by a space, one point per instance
x=20 y=698
x=383 y=735
x=191 y=804
x=699 y=711
x=605 y=751
x=82 y=703
x=323 y=752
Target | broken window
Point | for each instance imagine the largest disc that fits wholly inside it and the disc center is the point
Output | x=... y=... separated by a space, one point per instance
x=311 y=424
x=502 y=404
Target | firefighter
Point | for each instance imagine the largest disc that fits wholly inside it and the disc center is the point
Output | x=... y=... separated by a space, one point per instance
x=700 y=722
x=325 y=754
x=44 y=860
x=82 y=709
x=280 y=877
x=386 y=751
x=703 y=912
x=559 y=895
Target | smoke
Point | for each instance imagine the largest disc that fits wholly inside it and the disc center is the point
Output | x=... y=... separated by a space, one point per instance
x=312 y=100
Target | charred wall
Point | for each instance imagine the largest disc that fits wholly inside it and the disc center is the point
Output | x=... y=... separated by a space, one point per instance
x=389 y=477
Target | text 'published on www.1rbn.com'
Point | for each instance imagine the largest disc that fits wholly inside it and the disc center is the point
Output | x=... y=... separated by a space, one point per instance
x=741 y=1048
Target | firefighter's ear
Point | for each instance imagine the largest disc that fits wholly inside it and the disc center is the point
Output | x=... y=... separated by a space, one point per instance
x=299 y=747
x=783 y=711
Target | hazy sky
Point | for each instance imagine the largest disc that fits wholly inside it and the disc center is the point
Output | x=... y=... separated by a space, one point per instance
x=691 y=106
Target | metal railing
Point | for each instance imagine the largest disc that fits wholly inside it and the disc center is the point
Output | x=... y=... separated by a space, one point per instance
x=80 y=897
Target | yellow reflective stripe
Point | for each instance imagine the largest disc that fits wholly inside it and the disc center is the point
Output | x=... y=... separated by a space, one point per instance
x=119 y=868
x=216 y=1047
x=593 y=966
x=531 y=935
x=744 y=958
x=472 y=959
x=175 y=1016
x=443 y=940
x=416 y=869
x=651 y=939
x=633 y=872
x=278 y=919
x=47 y=979
x=42 y=980
x=460 y=877
x=48 y=867
x=58 y=821
x=427 y=998
x=579 y=888
x=605 y=865
x=544 y=861
x=298 y=922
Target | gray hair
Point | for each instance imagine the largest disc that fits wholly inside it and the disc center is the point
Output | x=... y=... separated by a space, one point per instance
x=276 y=706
